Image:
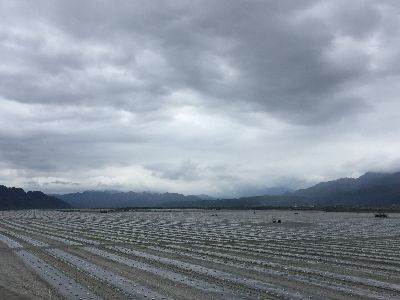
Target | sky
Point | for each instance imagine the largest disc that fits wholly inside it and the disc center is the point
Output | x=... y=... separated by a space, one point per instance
x=222 y=97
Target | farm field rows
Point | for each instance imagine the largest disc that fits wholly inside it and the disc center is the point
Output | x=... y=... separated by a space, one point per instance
x=200 y=254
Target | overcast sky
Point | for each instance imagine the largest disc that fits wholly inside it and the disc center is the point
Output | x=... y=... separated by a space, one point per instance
x=223 y=97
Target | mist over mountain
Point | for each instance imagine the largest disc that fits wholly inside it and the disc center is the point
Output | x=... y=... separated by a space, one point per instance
x=17 y=198
x=114 y=199
x=341 y=185
x=273 y=191
x=369 y=190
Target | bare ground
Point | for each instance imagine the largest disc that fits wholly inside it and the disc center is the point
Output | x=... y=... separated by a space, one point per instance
x=19 y=282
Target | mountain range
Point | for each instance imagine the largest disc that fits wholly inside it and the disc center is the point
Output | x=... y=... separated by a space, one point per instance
x=115 y=199
x=16 y=198
x=371 y=190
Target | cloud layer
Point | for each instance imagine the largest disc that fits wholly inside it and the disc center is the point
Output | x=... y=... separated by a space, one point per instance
x=223 y=97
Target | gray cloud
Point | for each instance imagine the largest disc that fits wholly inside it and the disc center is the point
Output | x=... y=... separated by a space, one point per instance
x=250 y=54
x=222 y=97
x=187 y=170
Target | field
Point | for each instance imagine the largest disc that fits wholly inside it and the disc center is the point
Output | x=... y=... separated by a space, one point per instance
x=198 y=254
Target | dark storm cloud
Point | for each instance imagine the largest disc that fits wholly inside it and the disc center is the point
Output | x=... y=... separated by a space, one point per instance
x=259 y=54
x=223 y=96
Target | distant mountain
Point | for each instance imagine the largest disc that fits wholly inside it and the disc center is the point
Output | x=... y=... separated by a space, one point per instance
x=369 y=190
x=17 y=198
x=275 y=191
x=342 y=185
x=254 y=191
x=203 y=197
x=114 y=199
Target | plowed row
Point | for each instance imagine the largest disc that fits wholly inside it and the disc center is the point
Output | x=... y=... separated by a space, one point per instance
x=194 y=254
